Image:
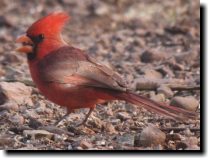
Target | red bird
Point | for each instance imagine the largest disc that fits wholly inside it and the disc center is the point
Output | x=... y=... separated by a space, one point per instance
x=70 y=77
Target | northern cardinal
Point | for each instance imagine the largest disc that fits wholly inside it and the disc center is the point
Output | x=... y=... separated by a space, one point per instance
x=69 y=77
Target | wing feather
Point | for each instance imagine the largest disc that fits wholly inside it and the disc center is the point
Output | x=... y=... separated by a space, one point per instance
x=69 y=65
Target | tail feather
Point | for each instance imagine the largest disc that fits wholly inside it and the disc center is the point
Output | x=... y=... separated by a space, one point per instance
x=161 y=108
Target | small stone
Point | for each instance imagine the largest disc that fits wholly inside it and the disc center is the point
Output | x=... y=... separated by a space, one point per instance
x=178 y=67
x=190 y=141
x=16 y=91
x=173 y=137
x=187 y=132
x=34 y=123
x=95 y=122
x=86 y=130
x=126 y=139
x=41 y=107
x=165 y=90
x=108 y=127
x=6 y=140
x=101 y=143
x=188 y=103
x=36 y=134
x=151 y=73
x=9 y=106
x=181 y=145
x=149 y=56
x=158 y=97
x=17 y=119
x=193 y=147
x=150 y=136
x=145 y=83
x=131 y=108
x=70 y=147
x=115 y=121
x=123 y=116
x=85 y=144
x=102 y=10
x=171 y=145
x=59 y=138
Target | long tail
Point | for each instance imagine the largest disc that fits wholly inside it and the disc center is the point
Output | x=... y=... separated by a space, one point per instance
x=161 y=108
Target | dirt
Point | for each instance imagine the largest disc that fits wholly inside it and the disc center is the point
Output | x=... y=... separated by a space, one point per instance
x=153 y=44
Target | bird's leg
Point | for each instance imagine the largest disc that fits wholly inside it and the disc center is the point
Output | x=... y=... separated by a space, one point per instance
x=86 y=118
x=62 y=118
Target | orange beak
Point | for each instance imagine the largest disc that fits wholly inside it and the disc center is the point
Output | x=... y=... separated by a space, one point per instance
x=27 y=44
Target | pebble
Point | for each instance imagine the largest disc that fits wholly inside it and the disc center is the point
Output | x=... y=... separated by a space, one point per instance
x=187 y=132
x=36 y=134
x=101 y=143
x=34 y=123
x=190 y=141
x=181 y=145
x=157 y=97
x=150 y=136
x=6 y=140
x=9 y=106
x=70 y=147
x=126 y=139
x=123 y=116
x=166 y=91
x=149 y=56
x=115 y=121
x=174 y=137
x=85 y=145
x=16 y=91
x=17 y=119
x=109 y=128
x=145 y=83
x=193 y=147
x=95 y=122
x=188 y=103
x=151 y=73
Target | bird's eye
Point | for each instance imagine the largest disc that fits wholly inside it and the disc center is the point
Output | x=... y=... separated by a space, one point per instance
x=37 y=39
x=41 y=37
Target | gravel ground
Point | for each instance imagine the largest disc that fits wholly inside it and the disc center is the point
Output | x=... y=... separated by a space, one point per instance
x=153 y=44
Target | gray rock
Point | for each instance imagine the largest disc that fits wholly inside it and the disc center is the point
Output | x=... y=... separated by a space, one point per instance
x=95 y=122
x=17 y=119
x=17 y=92
x=188 y=103
x=126 y=139
x=85 y=145
x=108 y=127
x=151 y=73
x=6 y=140
x=145 y=83
x=9 y=106
x=150 y=136
x=36 y=134
x=165 y=90
x=123 y=116
x=158 y=97
x=149 y=56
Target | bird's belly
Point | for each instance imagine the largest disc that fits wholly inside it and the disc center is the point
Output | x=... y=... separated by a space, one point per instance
x=70 y=95
x=73 y=97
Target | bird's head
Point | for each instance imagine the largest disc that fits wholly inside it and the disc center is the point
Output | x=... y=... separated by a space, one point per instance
x=43 y=36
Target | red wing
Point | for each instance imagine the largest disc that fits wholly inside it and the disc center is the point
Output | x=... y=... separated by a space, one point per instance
x=72 y=66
